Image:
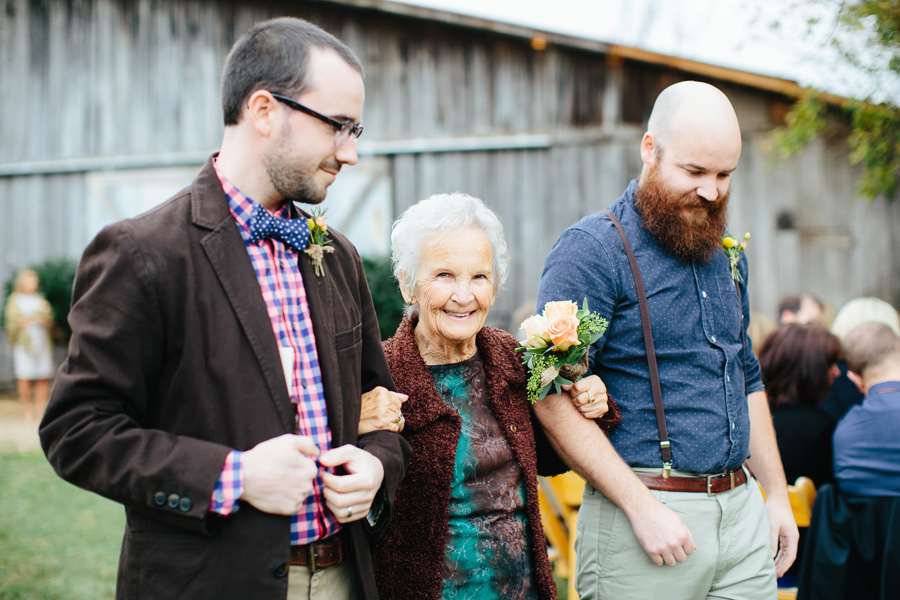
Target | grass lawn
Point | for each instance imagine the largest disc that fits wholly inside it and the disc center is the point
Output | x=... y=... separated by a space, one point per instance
x=58 y=541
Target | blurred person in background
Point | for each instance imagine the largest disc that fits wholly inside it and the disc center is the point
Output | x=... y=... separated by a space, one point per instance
x=867 y=440
x=29 y=328
x=845 y=393
x=799 y=363
x=801 y=308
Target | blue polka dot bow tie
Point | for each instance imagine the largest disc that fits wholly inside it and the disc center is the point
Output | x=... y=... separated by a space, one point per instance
x=293 y=232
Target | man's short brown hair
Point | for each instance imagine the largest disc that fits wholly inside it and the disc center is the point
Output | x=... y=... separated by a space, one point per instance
x=870 y=345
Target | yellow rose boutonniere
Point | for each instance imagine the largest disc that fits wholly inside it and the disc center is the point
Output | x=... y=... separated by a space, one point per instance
x=318 y=240
x=733 y=251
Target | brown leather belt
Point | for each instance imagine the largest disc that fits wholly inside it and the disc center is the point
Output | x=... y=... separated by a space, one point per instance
x=714 y=484
x=319 y=555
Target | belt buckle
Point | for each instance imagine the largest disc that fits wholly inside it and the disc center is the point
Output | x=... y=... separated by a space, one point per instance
x=709 y=480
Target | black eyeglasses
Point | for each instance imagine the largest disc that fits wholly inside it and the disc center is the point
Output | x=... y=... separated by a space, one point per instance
x=342 y=129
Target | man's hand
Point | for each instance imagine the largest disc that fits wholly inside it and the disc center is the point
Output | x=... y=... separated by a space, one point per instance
x=279 y=473
x=350 y=496
x=589 y=396
x=785 y=537
x=381 y=410
x=662 y=534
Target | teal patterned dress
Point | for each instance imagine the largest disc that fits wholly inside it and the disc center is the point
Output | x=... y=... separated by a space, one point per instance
x=488 y=551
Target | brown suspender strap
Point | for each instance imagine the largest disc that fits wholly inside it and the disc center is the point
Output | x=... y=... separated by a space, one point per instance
x=648 y=343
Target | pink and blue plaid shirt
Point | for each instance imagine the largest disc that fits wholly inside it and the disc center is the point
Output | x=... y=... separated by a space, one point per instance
x=281 y=284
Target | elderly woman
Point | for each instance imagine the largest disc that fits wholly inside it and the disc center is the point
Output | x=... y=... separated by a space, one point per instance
x=466 y=522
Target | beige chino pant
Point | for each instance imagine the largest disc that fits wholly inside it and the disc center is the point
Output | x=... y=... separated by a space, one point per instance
x=332 y=583
x=733 y=559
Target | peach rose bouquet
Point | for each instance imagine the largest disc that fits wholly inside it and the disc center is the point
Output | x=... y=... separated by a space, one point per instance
x=556 y=345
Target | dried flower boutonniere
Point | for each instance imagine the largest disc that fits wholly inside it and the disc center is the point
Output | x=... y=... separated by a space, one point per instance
x=318 y=240
x=733 y=251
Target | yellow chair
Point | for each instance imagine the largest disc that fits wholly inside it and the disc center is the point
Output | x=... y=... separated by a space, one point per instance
x=560 y=498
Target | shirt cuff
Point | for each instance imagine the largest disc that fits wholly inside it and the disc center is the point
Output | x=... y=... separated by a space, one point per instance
x=376 y=509
x=229 y=487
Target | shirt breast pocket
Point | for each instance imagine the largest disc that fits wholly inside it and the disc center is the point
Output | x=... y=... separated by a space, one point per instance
x=728 y=315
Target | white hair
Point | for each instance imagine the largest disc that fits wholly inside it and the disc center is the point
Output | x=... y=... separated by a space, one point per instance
x=865 y=309
x=441 y=215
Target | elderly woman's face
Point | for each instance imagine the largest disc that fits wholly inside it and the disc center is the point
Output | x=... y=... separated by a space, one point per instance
x=455 y=286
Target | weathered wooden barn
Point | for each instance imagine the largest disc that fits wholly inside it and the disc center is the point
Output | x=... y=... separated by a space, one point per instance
x=109 y=106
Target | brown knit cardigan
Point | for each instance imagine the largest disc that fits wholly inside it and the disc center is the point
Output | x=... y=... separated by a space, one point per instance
x=409 y=558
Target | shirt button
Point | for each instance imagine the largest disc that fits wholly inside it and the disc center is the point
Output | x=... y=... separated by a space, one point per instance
x=304 y=384
x=728 y=378
x=703 y=293
x=732 y=424
x=713 y=338
x=220 y=497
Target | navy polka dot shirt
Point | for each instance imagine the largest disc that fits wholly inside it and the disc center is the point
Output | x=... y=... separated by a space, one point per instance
x=696 y=320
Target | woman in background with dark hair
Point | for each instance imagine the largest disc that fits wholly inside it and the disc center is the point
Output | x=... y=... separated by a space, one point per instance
x=798 y=364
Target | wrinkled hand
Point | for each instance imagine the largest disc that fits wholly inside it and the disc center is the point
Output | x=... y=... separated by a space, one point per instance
x=785 y=537
x=663 y=535
x=350 y=496
x=381 y=411
x=279 y=473
x=589 y=396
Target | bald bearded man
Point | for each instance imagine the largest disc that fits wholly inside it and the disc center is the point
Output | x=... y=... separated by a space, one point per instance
x=670 y=509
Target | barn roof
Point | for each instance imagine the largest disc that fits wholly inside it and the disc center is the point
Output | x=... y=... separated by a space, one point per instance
x=614 y=52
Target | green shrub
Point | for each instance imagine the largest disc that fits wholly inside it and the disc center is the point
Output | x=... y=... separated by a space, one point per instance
x=385 y=294
x=56 y=284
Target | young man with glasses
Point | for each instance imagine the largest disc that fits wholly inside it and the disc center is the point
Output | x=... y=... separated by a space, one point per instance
x=214 y=376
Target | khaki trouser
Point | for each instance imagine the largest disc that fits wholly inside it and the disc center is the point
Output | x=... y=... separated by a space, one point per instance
x=733 y=559
x=332 y=583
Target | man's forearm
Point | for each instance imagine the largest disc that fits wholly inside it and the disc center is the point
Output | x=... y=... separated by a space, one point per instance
x=765 y=460
x=587 y=451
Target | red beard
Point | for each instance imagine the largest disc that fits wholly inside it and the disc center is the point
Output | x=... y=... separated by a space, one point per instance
x=693 y=236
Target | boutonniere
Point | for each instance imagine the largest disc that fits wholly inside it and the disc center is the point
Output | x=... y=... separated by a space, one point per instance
x=556 y=344
x=733 y=251
x=318 y=240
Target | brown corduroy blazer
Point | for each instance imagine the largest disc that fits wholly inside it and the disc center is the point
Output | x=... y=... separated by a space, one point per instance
x=172 y=364
x=409 y=558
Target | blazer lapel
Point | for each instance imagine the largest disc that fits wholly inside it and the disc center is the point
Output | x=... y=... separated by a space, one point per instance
x=228 y=256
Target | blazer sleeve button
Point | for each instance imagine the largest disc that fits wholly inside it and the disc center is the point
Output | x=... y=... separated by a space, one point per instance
x=159 y=498
x=185 y=504
x=512 y=428
x=173 y=500
x=280 y=570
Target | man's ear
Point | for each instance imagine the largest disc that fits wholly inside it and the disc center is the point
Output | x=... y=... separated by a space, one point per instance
x=858 y=380
x=648 y=148
x=259 y=112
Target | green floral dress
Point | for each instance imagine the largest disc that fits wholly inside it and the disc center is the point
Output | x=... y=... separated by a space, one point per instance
x=488 y=547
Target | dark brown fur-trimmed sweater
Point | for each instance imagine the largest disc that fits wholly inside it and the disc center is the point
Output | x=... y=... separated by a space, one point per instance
x=409 y=558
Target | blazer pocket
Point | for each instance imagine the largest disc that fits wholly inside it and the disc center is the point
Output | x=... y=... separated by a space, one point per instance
x=346 y=340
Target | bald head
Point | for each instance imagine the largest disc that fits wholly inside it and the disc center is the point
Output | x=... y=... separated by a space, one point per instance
x=695 y=109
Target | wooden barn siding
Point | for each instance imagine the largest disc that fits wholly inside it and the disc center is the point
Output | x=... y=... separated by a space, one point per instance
x=89 y=78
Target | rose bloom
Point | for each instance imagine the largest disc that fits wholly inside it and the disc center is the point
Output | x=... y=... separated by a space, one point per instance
x=563 y=331
x=321 y=223
x=535 y=328
x=562 y=308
